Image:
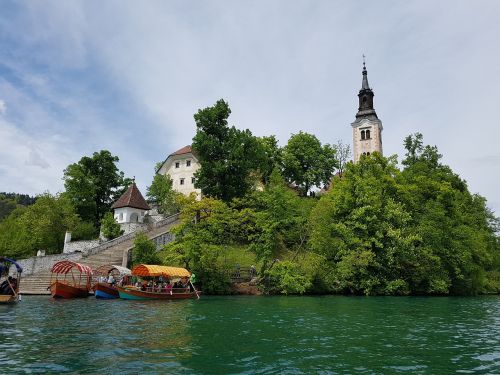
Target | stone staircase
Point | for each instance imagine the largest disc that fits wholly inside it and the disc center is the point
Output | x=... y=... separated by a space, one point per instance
x=38 y=282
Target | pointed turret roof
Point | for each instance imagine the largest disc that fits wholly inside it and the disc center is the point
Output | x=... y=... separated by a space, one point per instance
x=132 y=198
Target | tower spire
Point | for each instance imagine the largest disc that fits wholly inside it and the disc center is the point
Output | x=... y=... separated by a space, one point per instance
x=364 y=84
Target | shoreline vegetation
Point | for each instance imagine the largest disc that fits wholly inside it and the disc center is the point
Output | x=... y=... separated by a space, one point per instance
x=309 y=220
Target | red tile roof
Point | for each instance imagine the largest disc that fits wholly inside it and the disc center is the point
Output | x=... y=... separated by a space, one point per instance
x=184 y=150
x=132 y=198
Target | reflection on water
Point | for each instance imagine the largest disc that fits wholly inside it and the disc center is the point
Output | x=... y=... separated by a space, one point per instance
x=247 y=335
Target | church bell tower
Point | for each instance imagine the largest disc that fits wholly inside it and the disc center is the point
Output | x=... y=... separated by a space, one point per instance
x=367 y=128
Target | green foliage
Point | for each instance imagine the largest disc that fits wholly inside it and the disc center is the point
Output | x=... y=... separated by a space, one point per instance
x=144 y=251
x=161 y=193
x=272 y=157
x=109 y=227
x=307 y=163
x=39 y=226
x=10 y=201
x=385 y=231
x=279 y=221
x=84 y=230
x=93 y=184
x=228 y=156
x=286 y=278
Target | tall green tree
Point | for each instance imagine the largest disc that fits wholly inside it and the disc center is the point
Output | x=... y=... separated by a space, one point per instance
x=160 y=191
x=272 y=157
x=228 y=156
x=307 y=163
x=363 y=231
x=93 y=184
x=455 y=225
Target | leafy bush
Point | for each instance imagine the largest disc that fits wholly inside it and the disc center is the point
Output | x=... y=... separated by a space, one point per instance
x=109 y=227
x=84 y=231
x=286 y=278
x=144 y=251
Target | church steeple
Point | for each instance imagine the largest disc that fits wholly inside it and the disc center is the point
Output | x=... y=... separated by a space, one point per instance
x=365 y=109
x=367 y=128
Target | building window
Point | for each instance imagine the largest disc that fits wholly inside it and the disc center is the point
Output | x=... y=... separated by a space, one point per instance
x=188 y=163
x=192 y=180
x=182 y=181
x=368 y=134
x=177 y=164
x=121 y=216
x=362 y=135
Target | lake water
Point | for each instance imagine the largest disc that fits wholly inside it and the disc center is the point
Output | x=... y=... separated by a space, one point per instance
x=253 y=335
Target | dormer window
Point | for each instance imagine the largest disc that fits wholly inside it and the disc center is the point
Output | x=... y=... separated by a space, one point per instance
x=177 y=164
x=188 y=163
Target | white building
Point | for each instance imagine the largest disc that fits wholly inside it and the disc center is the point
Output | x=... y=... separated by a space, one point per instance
x=367 y=128
x=181 y=166
x=131 y=207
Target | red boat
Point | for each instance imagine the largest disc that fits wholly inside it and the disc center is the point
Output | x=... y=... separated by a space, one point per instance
x=70 y=287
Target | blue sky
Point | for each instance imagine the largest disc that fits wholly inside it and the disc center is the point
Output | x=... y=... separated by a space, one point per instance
x=78 y=77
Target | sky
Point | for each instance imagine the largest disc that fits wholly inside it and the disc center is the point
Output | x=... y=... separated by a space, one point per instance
x=127 y=76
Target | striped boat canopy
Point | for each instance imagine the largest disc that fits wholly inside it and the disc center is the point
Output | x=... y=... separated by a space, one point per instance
x=154 y=270
x=103 y=270
x=65 y=266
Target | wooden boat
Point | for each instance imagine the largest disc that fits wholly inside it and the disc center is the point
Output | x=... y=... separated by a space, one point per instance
x=158 y=288
x=104 y=289
x=9 y=285
x=73 y=287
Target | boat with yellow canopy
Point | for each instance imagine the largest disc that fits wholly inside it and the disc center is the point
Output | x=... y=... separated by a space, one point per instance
x=159 y=282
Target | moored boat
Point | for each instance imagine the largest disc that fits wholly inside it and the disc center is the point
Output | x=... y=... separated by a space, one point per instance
x=73 y=287
x=156 y=283
x=9 y=285
x=107 y=277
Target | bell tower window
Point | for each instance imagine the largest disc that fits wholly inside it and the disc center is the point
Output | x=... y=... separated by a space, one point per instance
x=363 y=136
x=368 y=134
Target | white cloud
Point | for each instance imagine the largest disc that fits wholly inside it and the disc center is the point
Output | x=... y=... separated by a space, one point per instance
x=3 y=107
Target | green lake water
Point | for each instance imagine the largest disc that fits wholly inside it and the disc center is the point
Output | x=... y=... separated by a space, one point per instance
x=253 y=335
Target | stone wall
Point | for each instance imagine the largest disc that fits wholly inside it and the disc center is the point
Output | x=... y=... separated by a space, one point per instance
x=132 y=227
x=80 y=246
x=45 y=263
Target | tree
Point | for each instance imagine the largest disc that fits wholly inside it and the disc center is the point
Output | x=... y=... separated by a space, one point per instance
x=162 y=193
x=307 y=163
x=39 y=226
x=343 y=153
x=363 y=231
x=109 y=227
x=144 y=251
x=227 y=155
x=93 y=184
x=272 y=157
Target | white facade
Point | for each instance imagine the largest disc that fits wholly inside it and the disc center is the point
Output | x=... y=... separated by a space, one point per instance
x=129 y=215
x=366 y=137
x=181 y=168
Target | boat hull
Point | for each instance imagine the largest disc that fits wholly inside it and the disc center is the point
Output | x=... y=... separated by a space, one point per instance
x=136 y=294
x=4 y=299
x=105 y=291
x=62 y=290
